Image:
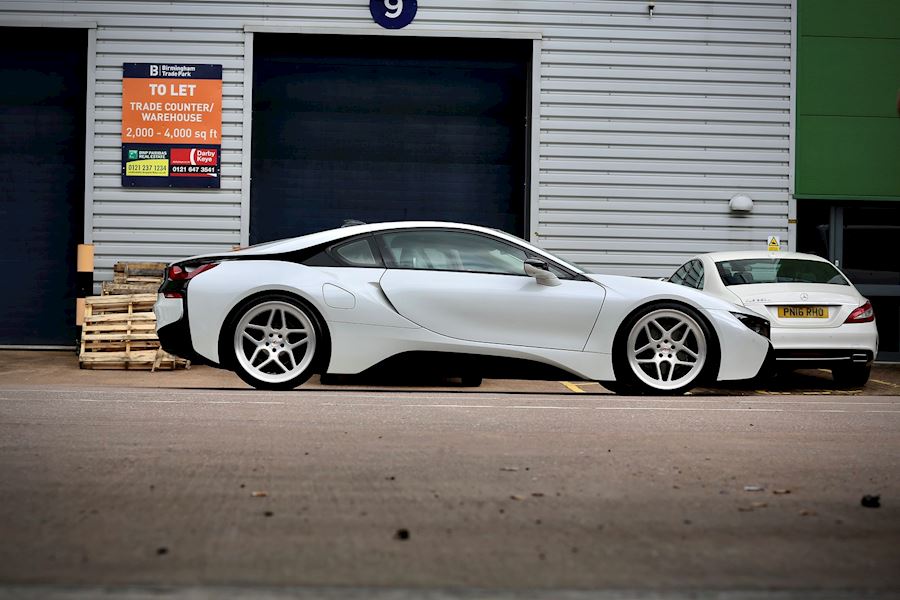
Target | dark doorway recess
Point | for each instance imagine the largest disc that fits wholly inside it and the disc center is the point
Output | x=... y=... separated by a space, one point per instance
x=42 y=118
x=387 y=128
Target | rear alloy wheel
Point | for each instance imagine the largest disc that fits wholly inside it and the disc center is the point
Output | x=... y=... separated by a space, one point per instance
x=664 y=349
x=274 y=342
x=851 y=376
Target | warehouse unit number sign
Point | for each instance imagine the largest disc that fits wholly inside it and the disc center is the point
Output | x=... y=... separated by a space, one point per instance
x=171 y=125
x=393 y=14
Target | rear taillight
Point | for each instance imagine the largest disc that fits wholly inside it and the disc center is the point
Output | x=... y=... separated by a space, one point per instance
x=863 y=314
x=183 y=273
x=178 y=276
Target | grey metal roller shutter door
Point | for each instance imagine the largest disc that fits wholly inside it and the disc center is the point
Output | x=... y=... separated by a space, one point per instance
x=42 y=114
x=380 y=129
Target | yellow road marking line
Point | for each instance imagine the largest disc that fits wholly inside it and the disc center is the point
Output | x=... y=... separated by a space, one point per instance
x=573 y=387
x=885 y=382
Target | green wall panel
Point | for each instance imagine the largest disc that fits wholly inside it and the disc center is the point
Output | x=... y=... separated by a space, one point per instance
x=849 y=18
x=848 y=76
x=854 y=157
x=848 y=81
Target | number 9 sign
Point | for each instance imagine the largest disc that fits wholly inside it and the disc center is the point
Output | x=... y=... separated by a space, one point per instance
x=393 y=14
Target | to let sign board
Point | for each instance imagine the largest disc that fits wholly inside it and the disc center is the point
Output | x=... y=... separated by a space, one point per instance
x=171 y=125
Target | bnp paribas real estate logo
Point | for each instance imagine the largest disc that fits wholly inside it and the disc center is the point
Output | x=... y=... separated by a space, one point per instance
x=132 y=154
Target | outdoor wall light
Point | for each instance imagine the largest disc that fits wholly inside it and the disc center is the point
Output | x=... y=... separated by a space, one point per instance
x=650 y=8
x=741 y=203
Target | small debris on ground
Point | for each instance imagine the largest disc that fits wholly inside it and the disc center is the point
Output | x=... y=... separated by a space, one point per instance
x=758 y=504
x=402 y=534
x=871 y=501
x=808 y=513
x=509 y=468
x=754 y=488
x=537 y=494
x=268 y=513
x=259 y=494
x=516 y=497
x=162 y=550
x=781 y=492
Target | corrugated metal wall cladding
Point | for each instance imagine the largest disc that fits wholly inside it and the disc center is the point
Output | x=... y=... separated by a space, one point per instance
x=648 y=124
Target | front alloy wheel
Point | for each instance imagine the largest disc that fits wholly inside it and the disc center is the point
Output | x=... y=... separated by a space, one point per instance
x=274 y=344
x=667 y=350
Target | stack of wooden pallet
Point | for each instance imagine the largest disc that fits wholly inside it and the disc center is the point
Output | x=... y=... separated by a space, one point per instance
x=119 y=332
x=134 y=278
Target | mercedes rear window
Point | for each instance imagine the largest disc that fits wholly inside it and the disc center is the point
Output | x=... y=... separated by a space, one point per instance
x=778 y=270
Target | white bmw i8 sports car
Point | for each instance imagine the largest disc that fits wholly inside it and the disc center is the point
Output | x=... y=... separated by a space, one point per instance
x=475 y=300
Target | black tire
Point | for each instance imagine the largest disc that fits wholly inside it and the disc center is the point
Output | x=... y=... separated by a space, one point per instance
x=295 y=316
x=851 y=376
x=471 y=380
x=637 y=372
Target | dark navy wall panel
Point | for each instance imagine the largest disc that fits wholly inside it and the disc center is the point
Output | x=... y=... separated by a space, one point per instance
x=42 y=112
x=380 y=129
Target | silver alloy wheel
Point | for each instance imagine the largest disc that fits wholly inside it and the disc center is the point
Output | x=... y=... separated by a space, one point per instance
x=275 y=341
x=666 y=349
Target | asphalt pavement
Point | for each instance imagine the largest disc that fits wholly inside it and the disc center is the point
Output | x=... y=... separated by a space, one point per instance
x=189 y=485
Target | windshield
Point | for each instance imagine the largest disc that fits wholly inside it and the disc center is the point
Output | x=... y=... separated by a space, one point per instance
x=778 y=270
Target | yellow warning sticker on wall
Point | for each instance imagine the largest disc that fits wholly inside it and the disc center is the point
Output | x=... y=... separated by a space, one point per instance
x=774 y=243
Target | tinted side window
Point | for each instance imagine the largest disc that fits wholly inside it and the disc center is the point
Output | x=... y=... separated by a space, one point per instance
x=678 y=276
x=357 y=253
x=452 y=251
x=694 y=275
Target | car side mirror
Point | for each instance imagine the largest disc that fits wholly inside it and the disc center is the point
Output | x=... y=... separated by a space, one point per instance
x=540 y=270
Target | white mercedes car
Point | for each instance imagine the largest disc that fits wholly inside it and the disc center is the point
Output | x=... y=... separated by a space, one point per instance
x=818 y=318
x=472 y=300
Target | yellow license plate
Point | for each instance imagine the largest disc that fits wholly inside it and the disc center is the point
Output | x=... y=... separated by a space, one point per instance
x=803 y=312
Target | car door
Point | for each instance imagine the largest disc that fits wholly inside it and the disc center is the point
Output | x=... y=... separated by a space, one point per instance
x=471 y=286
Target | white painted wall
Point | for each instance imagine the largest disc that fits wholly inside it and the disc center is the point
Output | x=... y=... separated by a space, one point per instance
x=648 y=125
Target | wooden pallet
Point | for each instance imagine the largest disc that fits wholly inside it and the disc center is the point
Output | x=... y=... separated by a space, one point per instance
x=119 y=332
x=134 y=278
x=127 y=271
x=113 y=288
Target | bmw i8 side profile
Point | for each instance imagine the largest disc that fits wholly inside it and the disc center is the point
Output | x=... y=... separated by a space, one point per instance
x=345 y=300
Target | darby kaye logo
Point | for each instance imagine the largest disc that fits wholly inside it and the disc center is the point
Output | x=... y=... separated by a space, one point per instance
x=132 y=154
x=194 y=156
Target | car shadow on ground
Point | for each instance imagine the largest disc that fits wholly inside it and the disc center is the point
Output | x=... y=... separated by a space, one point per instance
x=804 y=381
x=885 y=381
